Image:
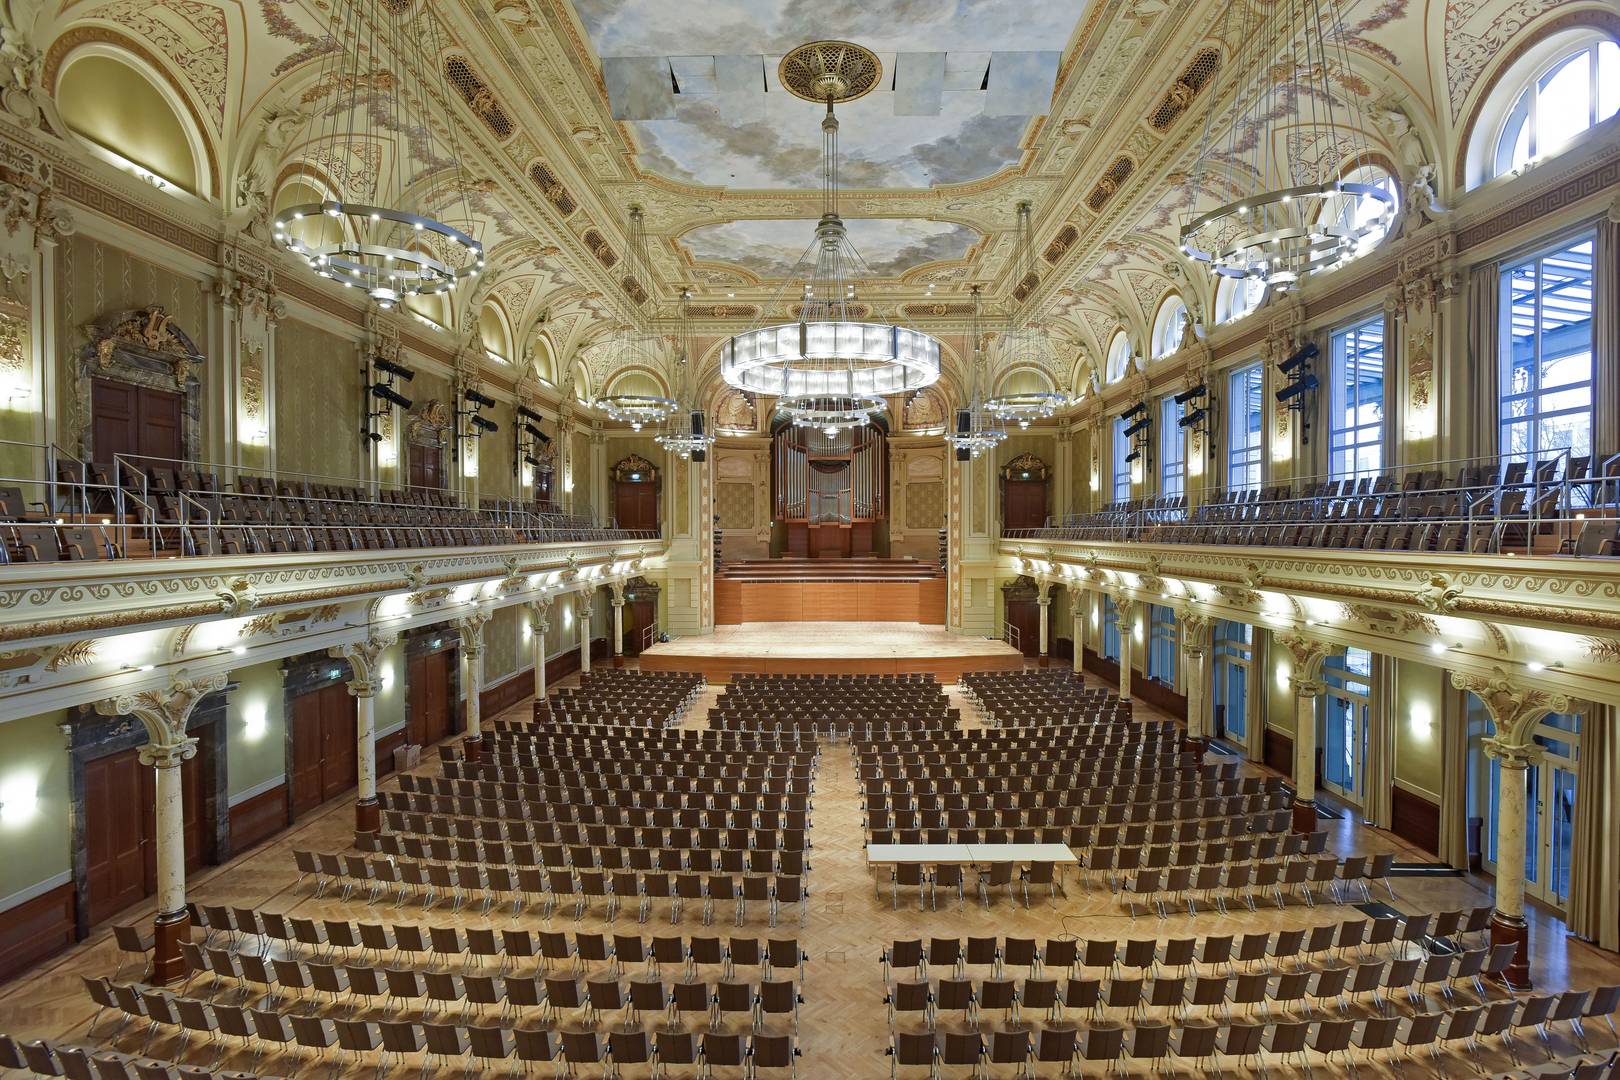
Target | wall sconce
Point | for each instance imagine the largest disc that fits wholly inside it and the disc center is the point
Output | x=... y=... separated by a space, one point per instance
x=386 y=676
x=19 y=799
x=254 y=722
x=1422 y=720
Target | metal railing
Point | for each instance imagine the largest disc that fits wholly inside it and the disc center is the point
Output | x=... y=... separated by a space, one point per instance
x=1010 y=634
x=647 y=637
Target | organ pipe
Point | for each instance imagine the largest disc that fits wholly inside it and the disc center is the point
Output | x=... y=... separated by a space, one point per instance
x=816 y=477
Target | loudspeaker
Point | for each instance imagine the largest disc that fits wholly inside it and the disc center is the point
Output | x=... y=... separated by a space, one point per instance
x=697 y=424
x=964 y=421
x=700 y=455
x=963 y=454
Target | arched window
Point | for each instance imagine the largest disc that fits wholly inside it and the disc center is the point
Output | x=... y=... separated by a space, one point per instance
x=1564 y=98
x=1169 y=326
x=1119 y=357
x=1236 y=297
x=111 y=101
x=545 y=361
x=313 y=230
x=1354 y=213
x=493 y=330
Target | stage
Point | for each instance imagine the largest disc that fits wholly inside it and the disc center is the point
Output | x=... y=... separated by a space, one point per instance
x=844 y=648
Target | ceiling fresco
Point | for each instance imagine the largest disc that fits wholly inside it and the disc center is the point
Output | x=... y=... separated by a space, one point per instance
x=770 y=249
x=773 y=140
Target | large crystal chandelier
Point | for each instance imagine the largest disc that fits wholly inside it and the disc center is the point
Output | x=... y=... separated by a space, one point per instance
x=1277 y=147
x=1026 y=346
x=686 y=435
x=977 y=429
x=634 y=345
x=380 y=126
x=830 y=369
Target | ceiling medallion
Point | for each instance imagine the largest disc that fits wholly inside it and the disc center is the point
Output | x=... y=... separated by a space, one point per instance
x=836 y=70
x=1026 y=347
x=1291 y=124
x=832 y=363
x=398 y=243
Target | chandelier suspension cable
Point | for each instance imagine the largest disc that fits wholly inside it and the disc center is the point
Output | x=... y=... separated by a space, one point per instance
x=976 y=429
x=1026 y=346
x=635 y=344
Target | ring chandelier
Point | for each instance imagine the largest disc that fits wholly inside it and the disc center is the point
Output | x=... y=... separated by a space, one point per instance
x=976 y=429
x=1291 y=88
x=1026 y=347
x=830 y=369
x=685 y=436
x=395 y=244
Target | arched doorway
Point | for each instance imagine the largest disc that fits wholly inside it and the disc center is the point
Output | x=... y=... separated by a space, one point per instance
x=635 y=494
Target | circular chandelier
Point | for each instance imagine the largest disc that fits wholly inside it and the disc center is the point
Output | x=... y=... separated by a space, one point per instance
x=1291 y=134
x=685 y=436
x=634 y=345
x=396 y=242
x=1026 y=347
x=977 y=429
x=831 y=368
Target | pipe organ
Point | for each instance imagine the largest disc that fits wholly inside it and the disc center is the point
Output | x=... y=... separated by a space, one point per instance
x=828 y=492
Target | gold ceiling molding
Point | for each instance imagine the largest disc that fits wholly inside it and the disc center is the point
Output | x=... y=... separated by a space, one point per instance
x=479 y=97
x=1188 y=85
x=552 y=188
x=1061 y=243
x=1115 y=175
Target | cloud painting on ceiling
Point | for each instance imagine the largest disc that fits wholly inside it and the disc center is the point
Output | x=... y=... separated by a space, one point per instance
x=773 y=140
x=771 y=248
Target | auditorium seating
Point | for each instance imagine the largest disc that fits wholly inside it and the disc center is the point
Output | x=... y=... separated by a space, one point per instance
x=1556 y=505
x=623 y=695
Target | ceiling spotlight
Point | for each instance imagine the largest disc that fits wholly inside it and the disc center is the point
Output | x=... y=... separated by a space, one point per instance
x=390 y=395
x=481 y=400
x=392 y=368
x=484 y=425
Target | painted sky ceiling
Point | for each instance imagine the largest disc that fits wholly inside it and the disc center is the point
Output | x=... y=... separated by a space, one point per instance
x=773 y=140
x=771 y=248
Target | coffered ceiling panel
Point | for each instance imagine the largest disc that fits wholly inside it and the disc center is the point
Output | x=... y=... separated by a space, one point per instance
x=770 y=249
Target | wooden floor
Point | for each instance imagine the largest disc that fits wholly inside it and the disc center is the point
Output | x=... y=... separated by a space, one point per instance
x=844 y=1029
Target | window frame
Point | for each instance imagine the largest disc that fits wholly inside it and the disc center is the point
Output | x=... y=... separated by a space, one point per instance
x=1162 y=644
x=1534 y=417
x=1252 y=459
x=1528 y=95
x=1172 y=449
x=1355 y=432
x=1121 y=468
x=1120 y=343
x=1164 y=321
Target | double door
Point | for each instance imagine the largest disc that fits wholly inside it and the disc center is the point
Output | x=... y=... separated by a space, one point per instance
x=325 y=758
x=427 y=681
x=120 y=828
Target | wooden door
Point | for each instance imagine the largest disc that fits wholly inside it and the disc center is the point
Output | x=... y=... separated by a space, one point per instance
x=428 y=684
x=635 y=506
x=1026 y=616
x=120 y=858
x=1023 y=504
x=638 y=615
x=426 y=465
x=325 y=759
x=135 y=420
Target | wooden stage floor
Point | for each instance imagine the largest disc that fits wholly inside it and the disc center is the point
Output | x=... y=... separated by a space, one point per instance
x=858 y=648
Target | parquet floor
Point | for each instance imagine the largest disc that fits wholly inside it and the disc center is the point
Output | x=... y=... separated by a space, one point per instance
x=843 y=1024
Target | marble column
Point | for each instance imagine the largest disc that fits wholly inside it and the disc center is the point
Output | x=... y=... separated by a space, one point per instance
x=539 y=624
x=1306 y=693
x=165 y=713
x=1305 y=679
x=363 y=657
x=582 y=618
x=471 y=629
x=1195 y=652
x=1043 y=602
x=1126 y=610
x=1077 y=611
x=618 y=630
x=1515 y=710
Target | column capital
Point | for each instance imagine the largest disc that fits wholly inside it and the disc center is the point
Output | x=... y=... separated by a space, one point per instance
x=1308 y=654
x=539 y=614
x=1514 y=708
x=1077 y=592
x=362 y=657
x=1195 y=629
x=1513 y=755
x=164 y=713
x=471 y=628
x=582 y=604
x=1306 y=688
x=1192 y=651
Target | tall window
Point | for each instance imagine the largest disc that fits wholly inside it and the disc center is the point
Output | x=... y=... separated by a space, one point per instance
x=1547 y=353
x=1571 y=95
x=1122 y=468
x=1245 y=424
x=1356 y=424
x=1119 y=357
x=1172 y=449
x=1345 y=710
x=1169 y=327
x=1234 y=651
x=1349 y=212
x=1161 y=658
x=1110 y=628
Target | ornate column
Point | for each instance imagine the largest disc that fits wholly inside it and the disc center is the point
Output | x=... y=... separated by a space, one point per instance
x=1305 y=678
x=164 y=713
x=471 y=629
x=1195 y=651
x=1077 y=612
x=1515 y=710
x=539 y=623
x=1126 y=609
x=582 y=618
x=1043 y=601
x=616 y=593
x=362 y=657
